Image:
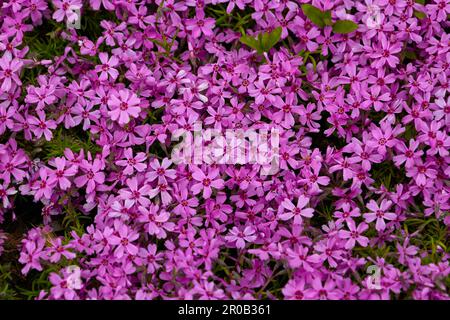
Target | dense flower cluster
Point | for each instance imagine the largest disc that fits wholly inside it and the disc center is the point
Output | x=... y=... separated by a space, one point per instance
x=364 y=120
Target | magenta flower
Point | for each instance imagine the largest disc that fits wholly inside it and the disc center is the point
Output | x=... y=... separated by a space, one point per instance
x=357 y=130
x=406 y=251
x=5 y=192
x=61 y=174
x=132 y=163
x=285 y=115
x=264 y=92
x=294 y=289
x=323 y=290
x=296 y=212
x=161 y=171
x=381 y=139
x=386 y=53
x=421 y=172
x=379 y=213
x=66 y=8
x=10 y=67
x=135 y=194
x=106 y=69
x=43 y=188
x=206 y=182
x=92 y=177
x=123 y=240
x=41 y=126
x=329 y=251
x=151 y=259
x=85 y=115
x=124 y=104
x=61 y=287
x=299 y=258
x=156 y=223
x=58 y=250
x=241 y=237
x=200 y=25
x=408 y=155
x=354 y=235
x=42 y=96
x=347 y=214
x=31 y=257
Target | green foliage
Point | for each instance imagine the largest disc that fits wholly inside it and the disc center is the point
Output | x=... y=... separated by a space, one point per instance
x=408 y=54
x=64 y=139
x=420 y=14
x=344 y=26
x=323 y=18
x=45 y=42
x=236 y=20
x=74 y=220
x=317 y=16
x=90 y=22
x=264 y=42
x=387 y=175
x=6 y=291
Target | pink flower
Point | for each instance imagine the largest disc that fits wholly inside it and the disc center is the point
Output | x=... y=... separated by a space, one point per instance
x=93 y=175
x=156 y=221
x=296 y=211
x=264 y=92
x=347 y=214
x=40 y=126
x=381 y=138
x=206 y=182
x=294 y=289
x=354 y=234
x=61 y=173
x=161 y=171
x=57 y=250
x=124 y=104
x=421 y=172
x=134 y=193
x=30 y=256
x=10 y=67
x=66 y=8
x=107 y=67
x=132 y=163
x=123 y=240
x=386 y=53
x=240 y=237
x=42 y=186
x=200 y=25
x=299 y=258
x=61 y=288
x=379 y=213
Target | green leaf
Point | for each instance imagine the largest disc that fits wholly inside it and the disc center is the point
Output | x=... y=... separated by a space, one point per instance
x=344 y=26
x=260 y=43
x=314 y=14
x=327 y=18
x=419 y=14
x=410 y=55
x=420 y=1
x=264 y=42
x=251 y=42
x=271 y=39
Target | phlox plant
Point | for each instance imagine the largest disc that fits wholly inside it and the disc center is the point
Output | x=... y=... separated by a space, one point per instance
x=358 y=90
